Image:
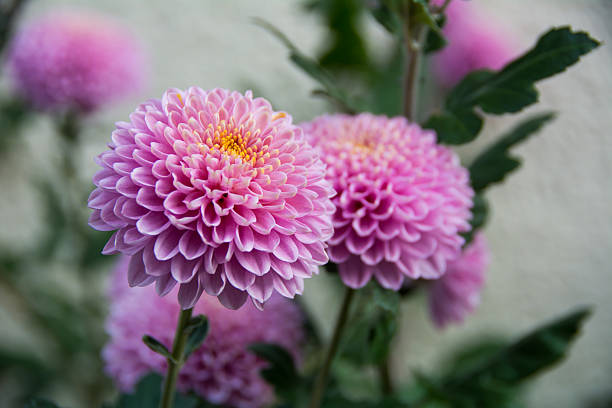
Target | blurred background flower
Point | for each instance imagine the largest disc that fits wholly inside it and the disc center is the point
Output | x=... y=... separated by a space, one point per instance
x=76 y=61
x=476 y=39
x=222 y=370
x=457 y=293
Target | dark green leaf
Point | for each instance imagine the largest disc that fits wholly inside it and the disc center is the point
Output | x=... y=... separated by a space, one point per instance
x=385 y=16
x=508 y=90
x=381 y=336
x=455 y=128
x=480 y=214
x=497 y=375
x=388 y=300
x=492 y=165
x=281 y=370
x=368 y=340
x=434 y=41
x=420 y=14
x=344 y=45
x=336 y=400
x=197 y=329
x=148 y=394
x=512 y=88
x=157 y=346
x=41 y=403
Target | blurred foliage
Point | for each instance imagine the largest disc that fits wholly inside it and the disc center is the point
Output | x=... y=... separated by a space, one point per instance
x=355 y=76
x=345 y=48
x=148 y=393
x=487 y=373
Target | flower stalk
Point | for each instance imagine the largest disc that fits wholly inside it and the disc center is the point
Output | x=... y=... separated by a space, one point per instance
x=321 y=381
x=414 y=37
x=176 y=362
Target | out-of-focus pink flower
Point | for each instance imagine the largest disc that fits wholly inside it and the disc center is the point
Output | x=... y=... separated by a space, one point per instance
x=457 y=293
x=215 y=191
x=402 y=201
x=474 y=42
x=222 y=370
x=75 y=60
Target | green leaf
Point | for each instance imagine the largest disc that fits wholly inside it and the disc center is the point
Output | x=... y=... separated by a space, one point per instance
x=281 y=371
x=371 y=330
x=492 y=165
x=388 y=300
x=498 y=375
x=312 y=68
x=455 y=128
x=480 y=215
x=385 y=16
x=420 y=14
x=157 y=346
x=148 y=394
x=40 y=403
x=510 y=89
x=197 y=329
x=344 y=44
x=435 y=40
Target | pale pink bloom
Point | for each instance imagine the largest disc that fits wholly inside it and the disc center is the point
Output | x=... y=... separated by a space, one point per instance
x=75 y=60
x=475 y=41
x=457 y=293
x=402 y=201
x=222 y=370
x=215 y=191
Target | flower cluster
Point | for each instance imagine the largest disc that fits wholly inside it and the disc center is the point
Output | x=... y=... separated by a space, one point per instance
x=457 y=293
x=402 y=199
x=75 y=60
x=215 y=191
x=222 y=370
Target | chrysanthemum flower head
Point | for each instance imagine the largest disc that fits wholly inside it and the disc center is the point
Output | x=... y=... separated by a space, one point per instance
x=457 y=293
x=215 y=191
x=474 y=42
x=75 y=60
x=222 y=370
x=402 y=199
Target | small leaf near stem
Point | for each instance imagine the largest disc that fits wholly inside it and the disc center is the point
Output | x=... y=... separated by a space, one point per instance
x=197 y=329
x=156 y=346
x=321 y=381
x=177 y=358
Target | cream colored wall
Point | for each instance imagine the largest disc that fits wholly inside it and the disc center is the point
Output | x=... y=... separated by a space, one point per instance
x=551 y=230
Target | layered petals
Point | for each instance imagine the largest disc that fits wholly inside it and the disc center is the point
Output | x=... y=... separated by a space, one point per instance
x=222 y=370
x=402 y=200
x=220 y=194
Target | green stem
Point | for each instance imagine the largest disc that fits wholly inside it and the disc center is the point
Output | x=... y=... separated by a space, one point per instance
x=321 y=381
x=177 y=360
x=413 y=42
x=384 y=371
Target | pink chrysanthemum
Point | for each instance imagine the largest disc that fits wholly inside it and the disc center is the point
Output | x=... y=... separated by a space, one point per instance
x=75 y=60
x=216 y=191
x=402 y=199
x=222 y=370
x=457 y=293
x=474 y=42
